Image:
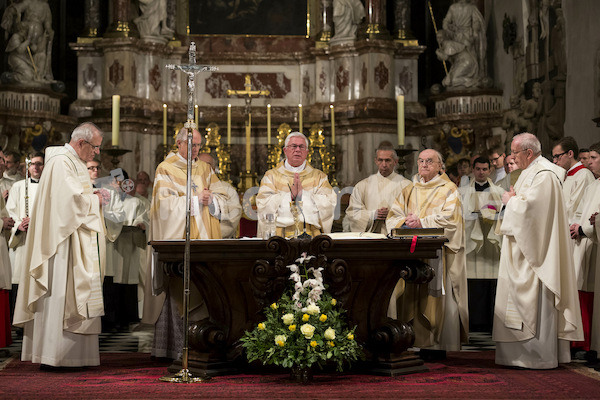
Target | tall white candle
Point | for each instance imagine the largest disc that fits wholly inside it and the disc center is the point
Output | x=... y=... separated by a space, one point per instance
x=165 y=124
x=400 y=100
x=196 y=115
x=332 y=124
x=300 y=118
x=228 y=123
x=116 y=112
x=268 y=124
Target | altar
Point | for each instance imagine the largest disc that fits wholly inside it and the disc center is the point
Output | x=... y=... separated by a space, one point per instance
x=239 y=277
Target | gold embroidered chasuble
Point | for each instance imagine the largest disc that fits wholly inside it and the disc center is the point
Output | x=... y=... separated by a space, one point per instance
x=437 y=204
x=318 y=200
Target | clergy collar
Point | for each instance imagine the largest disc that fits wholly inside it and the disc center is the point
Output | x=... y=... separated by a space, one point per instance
x=34 y=180
x=298 y=169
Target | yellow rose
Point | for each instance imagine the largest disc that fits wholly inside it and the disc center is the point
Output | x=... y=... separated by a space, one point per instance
x=329 y=334
x=333 y=302
x=350 y=336
x=280 y=340
x=274 y=306
x=331 y=344
x=261 y=326
x=323 y=318
x=305 y=317
x=287 y=318
x=292 y=328
x=307 y=330
x=314 y=343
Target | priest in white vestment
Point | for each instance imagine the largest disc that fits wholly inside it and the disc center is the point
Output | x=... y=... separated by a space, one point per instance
x=6 y=223
x=586 y=255
x=537 y=307
x=482 y=203
x=163 y=295
x=295 y=180
x=373 y=197
x=11 y=173
x=59 y=303
x=438 y=311
x=232 y=209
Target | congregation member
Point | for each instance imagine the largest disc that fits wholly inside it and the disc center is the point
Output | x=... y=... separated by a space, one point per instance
x=11 y=173
x=295 y=180
x=565 y=154
x=373 y=197
x=587 y=257
x=168 y=221
x=537 y=310
x=584 y=157
x=59 y=302
x=20 y=202
x=496 y=157
x=232 y=209
x=440 y=318
x=482 y=203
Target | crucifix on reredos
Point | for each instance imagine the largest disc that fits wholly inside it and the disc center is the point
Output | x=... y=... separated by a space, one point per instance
x=248 y=179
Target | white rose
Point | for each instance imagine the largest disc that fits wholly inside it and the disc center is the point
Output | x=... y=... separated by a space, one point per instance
x=288 y=318
x=307 y=330
x=280 y=340
x=329 y=334
x=312 y=309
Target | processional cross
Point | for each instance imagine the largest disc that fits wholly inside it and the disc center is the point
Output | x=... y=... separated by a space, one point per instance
x=190 y=69
x=246 y=181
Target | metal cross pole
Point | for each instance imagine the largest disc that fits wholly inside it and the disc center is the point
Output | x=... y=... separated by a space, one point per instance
x=184 y=375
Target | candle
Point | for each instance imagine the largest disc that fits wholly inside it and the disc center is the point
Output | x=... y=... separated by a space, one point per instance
x=228 y=123
x=268 y=124
x=400 y=120
x=165 y=124
x=116 y=109
x=196 y=115
x=300 y=117
x=332 y=124
x=248 y=143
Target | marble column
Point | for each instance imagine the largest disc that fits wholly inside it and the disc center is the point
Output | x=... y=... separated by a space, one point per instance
x=326 y=23
x=121 y=26
x=402 y=28
x=374 y=28
x=91 y=18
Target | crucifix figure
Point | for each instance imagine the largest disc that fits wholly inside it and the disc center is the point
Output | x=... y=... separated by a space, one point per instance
x=248 y=93
x=184 y=375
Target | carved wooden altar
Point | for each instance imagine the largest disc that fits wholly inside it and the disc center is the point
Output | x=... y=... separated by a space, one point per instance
x=238 y=278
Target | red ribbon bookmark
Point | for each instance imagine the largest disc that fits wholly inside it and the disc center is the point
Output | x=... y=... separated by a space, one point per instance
x=413 y=244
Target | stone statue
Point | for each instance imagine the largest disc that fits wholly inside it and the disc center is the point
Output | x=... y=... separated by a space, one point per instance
x=153 y=19
x=28 y=23
x=464 y=25
x=347 y=14
x=463 y=71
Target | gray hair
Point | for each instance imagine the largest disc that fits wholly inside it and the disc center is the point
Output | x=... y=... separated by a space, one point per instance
x=182 y=134
x=86 y=131
x=296 y=134
x=528 y=140
x=441 y=157
x=387 y=146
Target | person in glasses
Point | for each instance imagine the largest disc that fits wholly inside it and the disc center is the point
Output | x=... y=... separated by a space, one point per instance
x=19 y=204
x=496 y=157
x=162 y=304
x=441 y=318
x=59 y=303
x=294 y=179
x=372 y=198
x=537 y=307
x=565 y=154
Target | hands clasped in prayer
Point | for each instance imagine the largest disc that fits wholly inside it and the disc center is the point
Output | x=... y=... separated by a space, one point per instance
x=206 y=198
x=382 y=213
x=574 y=228
x=508 y=195
x=296 y=189
x=412 y=221
x=24 y=225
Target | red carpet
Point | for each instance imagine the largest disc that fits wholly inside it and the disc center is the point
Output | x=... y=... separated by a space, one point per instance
x=463 y=375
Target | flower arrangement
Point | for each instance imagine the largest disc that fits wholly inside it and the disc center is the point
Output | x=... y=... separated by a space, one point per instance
x=304 y=327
